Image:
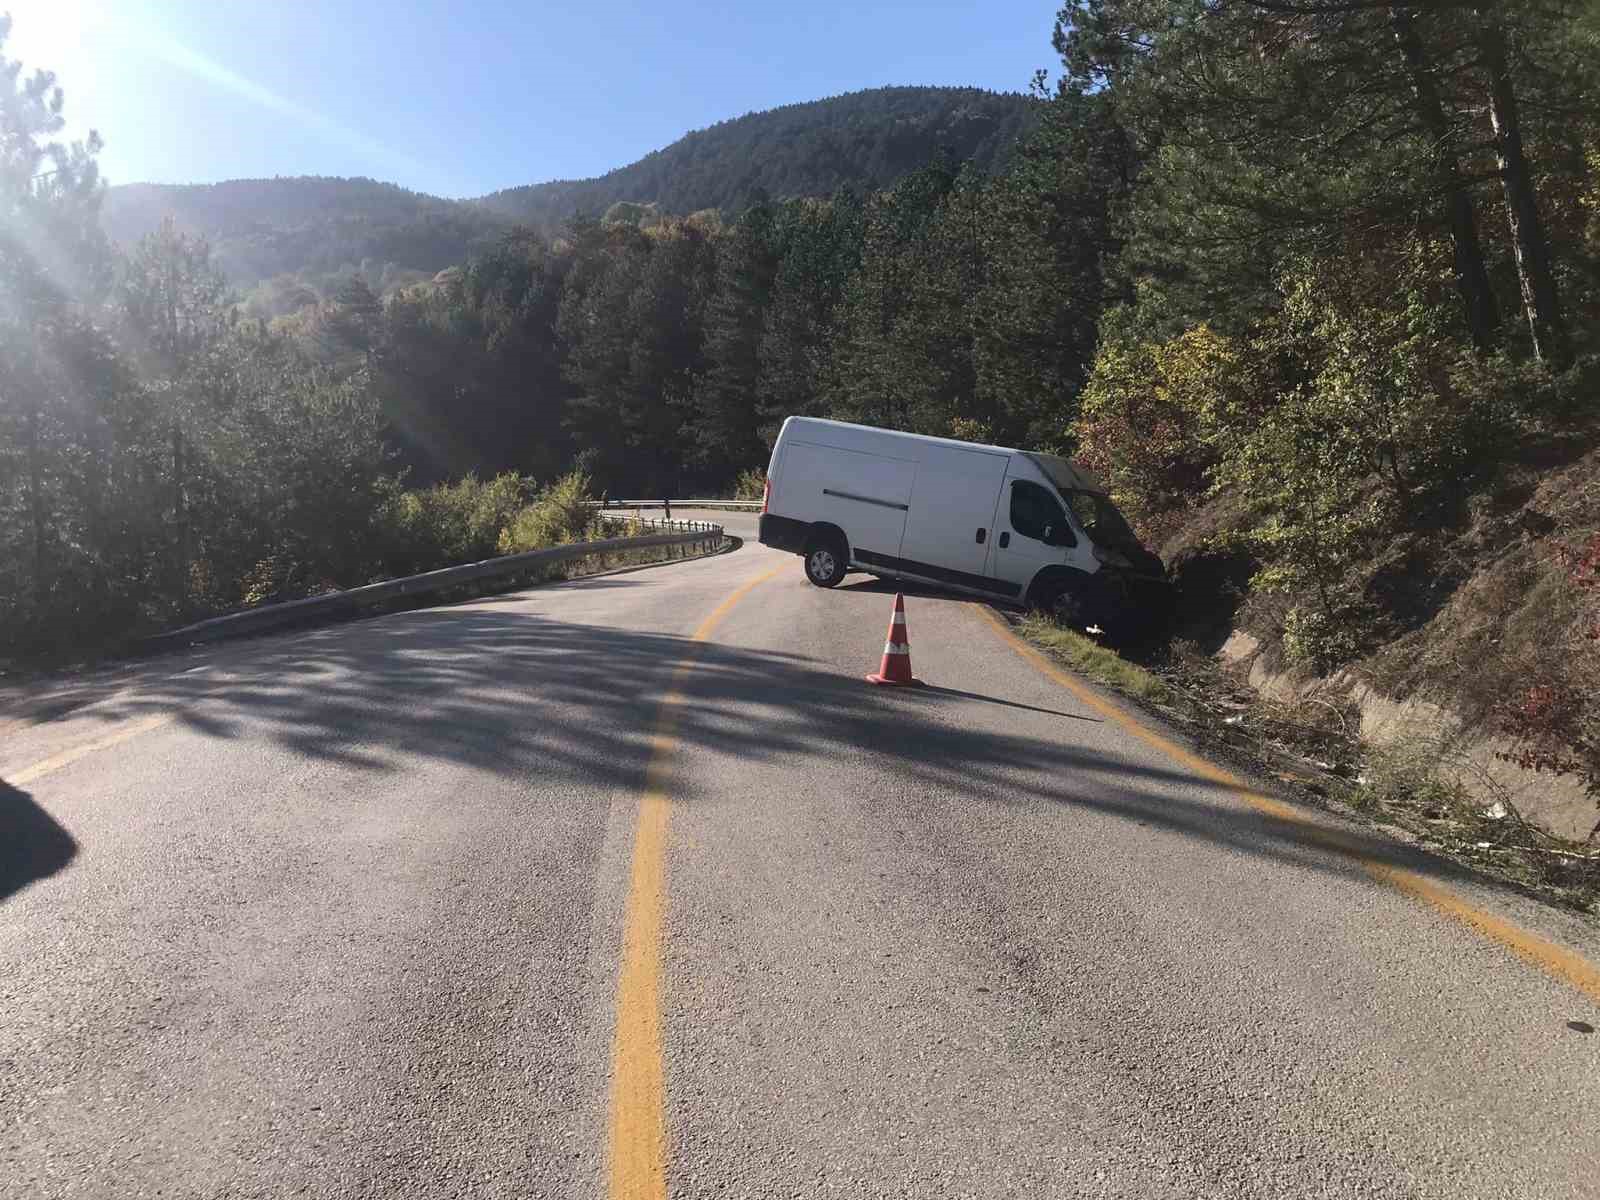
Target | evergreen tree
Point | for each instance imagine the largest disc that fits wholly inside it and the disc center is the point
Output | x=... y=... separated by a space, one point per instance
x=876 y=375
x=53 y=264
x=726 y=422
x=351 y=323
x=1048 y=239
x=173 y=316
x=1268 y=130
x=820 y=250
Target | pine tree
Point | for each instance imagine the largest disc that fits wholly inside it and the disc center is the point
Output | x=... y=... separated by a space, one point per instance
x=350 y=325
x=819 y=251
x=173 y=317
x=726 y=419
x=53 y=264
x=1270 y=129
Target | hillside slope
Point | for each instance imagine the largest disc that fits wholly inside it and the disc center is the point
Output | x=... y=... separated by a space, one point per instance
x=864 y=139
x=290 y=237
x=309 y=229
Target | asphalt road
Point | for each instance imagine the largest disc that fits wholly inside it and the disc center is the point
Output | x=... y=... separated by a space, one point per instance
x=344 y=913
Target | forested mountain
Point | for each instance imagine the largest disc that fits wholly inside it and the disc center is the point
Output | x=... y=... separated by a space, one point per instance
x=865 y=140
x=289 y=242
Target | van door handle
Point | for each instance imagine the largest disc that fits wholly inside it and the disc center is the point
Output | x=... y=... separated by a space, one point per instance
x=1005 y=539
x=982 y=533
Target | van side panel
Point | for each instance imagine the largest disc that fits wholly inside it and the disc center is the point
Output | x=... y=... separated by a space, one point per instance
x=865 y=495
x=954 y=499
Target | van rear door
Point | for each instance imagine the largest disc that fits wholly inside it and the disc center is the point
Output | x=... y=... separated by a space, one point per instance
x=950 y=524
x=866 y=495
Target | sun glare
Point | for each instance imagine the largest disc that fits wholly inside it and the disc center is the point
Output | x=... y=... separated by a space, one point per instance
x=67 y=38
x=47 y=34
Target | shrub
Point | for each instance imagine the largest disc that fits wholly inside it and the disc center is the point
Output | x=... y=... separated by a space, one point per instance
x=1318 y=638
x=1361 y=410
x=751 y=484
x=1555 y=722
x=1418 y=772
x=559 y=515
x=449 y=523
x=1137 y=428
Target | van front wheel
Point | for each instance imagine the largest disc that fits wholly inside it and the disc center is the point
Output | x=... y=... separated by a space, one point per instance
x=826 y=563
x=1063 y=603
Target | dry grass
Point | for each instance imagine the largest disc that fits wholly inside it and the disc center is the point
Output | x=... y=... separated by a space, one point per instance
x=1512 y=616
x=1423 y=788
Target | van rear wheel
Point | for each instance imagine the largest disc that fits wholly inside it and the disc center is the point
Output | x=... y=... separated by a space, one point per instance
x=826 y=563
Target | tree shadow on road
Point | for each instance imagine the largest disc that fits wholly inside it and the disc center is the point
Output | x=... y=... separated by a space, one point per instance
x=32 y=845
x=520 y=694
x=933 y=690
x=873 y=586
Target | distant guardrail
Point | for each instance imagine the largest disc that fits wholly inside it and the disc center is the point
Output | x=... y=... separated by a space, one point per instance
x=729 y=505
x=352 y=600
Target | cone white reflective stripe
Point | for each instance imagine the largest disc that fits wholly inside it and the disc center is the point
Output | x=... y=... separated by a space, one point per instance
x=899 y=618
x=896 y=648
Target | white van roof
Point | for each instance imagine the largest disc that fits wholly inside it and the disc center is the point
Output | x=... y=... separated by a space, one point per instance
x=1063 y=472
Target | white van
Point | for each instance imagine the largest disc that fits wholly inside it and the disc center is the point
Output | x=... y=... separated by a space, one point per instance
x=1006 y=524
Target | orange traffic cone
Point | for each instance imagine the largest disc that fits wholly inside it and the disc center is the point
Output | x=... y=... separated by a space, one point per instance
x=896 y=668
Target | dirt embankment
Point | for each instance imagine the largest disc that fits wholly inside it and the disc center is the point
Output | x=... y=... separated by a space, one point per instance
x=1479 y=632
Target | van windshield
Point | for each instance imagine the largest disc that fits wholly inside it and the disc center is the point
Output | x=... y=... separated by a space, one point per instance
x=1100 y=519
x=1067 y=475
x=1090 y=505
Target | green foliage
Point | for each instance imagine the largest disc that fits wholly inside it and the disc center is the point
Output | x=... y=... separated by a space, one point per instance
x=1142 y=411
x=449 y=523
x=559 y=515
x=631 y=335
x=971 y=429
x=820 y=246
x=1363 y=425
x=900 y=352
x=56 y=368
x=751 y=484
x=626 y=212
x=1342 y=413
x=1320 y=638
x=470 y=370
x=1409 y=773
x=726 y=426
x=1048 y=233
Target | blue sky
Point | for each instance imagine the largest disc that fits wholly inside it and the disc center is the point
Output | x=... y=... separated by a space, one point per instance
x=463 y=98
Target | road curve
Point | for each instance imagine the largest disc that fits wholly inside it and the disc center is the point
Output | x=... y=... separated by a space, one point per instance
x=347 y=913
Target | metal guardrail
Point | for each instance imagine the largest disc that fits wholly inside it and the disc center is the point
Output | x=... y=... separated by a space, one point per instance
x=658 y=524
x=272 y=616
x=730 y=505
